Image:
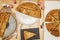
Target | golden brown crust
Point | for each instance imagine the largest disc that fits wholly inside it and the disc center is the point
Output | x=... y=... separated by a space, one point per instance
x=28 y=35
x=53 y=26
x=52 y=15
x=30 y=9
x=4 y=17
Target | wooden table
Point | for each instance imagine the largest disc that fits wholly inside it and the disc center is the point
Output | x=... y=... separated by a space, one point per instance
x=17 y=32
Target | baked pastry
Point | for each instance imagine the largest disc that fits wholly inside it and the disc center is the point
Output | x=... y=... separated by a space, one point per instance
x=53 y=22
x=28 y=35
x=30 y=9
x=4 y=18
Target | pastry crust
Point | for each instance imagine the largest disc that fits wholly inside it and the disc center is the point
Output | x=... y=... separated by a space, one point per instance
x=28 y=35
x=30 y=9
x=53 y=18
x=4 y=17
x=52 y=15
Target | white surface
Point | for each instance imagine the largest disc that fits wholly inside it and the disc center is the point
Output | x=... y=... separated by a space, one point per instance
x=11 y=28
x=25 y=19
x=50 y=5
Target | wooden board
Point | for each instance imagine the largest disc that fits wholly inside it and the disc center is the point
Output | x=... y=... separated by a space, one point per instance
x=17 y=33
